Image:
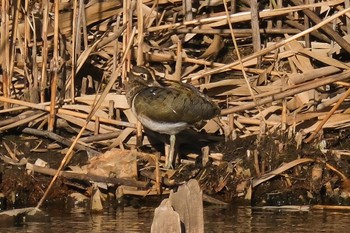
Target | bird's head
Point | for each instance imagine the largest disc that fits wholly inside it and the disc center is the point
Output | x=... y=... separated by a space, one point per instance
x=141 y=73
x=139 y=78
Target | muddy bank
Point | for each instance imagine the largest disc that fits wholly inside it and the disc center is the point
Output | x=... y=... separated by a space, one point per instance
x=269 y=170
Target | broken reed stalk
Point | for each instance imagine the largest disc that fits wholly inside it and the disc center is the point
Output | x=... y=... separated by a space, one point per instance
x=83 y=21
x=307 y=25
x=254 y=8
x=326 y=28
x=54 y=69
x=305 y=87
x=75 y=31
x=280 y=170
x=298 y=78
x=126 y=35
x=60 y=139
x=46 y=108
x=5 y=47
x=238 y=32
x=347 y=5
x=19 y=120
x=22 y=121
x=34 y=97
x=243 y=16
x=139 y=58
x=269 y=49
x=330 y=113
x=162 y=57
x=240 y=60
x=265 y=51
x=44 y=50
x=13 y=37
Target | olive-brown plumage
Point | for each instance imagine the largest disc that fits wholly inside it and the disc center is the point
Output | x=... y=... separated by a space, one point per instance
x=167 y=107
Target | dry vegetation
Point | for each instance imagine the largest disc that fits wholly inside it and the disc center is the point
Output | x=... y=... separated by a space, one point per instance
x=273 y=67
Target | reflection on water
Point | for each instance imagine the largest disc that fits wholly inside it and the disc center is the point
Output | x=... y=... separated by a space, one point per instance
x=234 y=219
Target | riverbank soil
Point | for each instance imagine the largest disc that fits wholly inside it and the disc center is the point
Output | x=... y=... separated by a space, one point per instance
x=267 y=170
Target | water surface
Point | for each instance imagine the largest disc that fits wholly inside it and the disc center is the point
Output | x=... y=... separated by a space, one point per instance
x=217 y=219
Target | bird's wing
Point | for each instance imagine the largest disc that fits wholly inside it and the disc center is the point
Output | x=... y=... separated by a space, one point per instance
x=173 y=103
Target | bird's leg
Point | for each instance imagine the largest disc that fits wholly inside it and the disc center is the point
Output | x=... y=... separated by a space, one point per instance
x=170 y=158
x=138 y=134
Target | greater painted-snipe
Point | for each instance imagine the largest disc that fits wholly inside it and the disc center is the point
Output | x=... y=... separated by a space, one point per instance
x=167 y=107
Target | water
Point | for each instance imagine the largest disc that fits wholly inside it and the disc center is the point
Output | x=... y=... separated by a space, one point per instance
x=233 y=219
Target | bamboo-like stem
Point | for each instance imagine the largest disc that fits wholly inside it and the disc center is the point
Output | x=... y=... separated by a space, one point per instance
x=82 y=16
x=242 y=32
x=244 y=16
x=240 y=60
x=278 y=96
x=34 y=95
x=275 y=46
x=46 y=108
x=301 y=27
x=44 y=50
x=54 y=68
x=325 y=27
x=254 y=8
x=178 y=66
x=13 y=37
x=75 y=31
x=126 y=36
x=306 y=25
x=22 y=121
x=347 y=5
x=25 y=52
x=116 y=45
x=5 y=62
x=187 y=8
x=330 y=113
x=139 y=59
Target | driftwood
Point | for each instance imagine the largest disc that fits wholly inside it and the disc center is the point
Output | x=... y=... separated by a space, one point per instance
x=166 y=219
x=184 y=206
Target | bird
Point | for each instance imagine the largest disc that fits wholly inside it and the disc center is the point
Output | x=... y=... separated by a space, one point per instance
x=166 y=106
